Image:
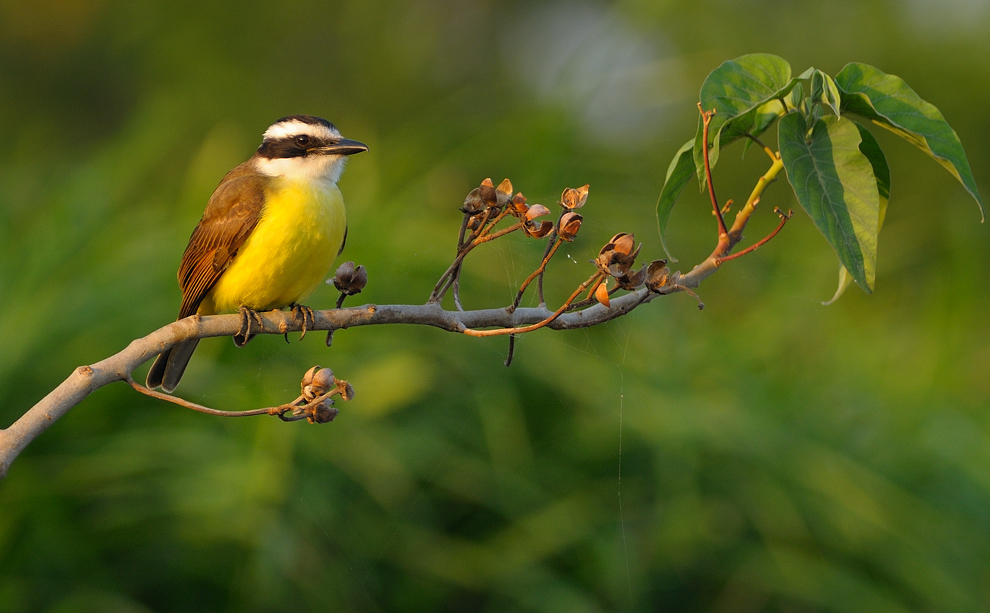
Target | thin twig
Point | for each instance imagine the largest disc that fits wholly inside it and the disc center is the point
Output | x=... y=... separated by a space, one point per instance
x=550 y=240
x=445 y=281
x=186 y=404
x=521 y=330
x=551 y=249
x=783 y=219
x=706 y=118
x=512 y=350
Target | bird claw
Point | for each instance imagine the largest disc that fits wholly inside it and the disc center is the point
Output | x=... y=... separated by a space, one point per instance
x=246 y=333
x=307 y=316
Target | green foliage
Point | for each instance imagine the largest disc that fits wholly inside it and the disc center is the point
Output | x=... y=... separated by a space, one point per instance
x=838 y=172
x=890 y=103
x=680 y=171
x=835 y=184
x=745 y=94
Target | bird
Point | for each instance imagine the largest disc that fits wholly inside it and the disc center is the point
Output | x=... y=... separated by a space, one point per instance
x=269 y=235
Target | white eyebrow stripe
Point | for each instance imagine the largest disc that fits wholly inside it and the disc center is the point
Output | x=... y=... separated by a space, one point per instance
x=294 y=127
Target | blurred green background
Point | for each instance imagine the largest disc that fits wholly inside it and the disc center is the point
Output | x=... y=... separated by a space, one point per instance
x=765 y=454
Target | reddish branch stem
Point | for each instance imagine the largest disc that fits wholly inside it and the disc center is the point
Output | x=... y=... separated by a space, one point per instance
x=595 y=278
x=706 y=118
x=783 y=219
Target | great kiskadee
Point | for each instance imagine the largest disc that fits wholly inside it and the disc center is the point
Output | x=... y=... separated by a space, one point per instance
x=270 y=232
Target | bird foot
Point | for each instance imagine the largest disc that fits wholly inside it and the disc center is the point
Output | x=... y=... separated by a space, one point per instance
x=307 y=316
x=246 y=333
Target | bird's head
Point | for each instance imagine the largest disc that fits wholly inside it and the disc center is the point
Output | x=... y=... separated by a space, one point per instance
x=305 y=148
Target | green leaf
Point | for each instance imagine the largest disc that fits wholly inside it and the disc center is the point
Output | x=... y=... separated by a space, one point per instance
x=845 y=280
x=678 y=174
x=881 y=172
x=824 y=89
x=739 y=91
x=835 y=184
x=892 y=104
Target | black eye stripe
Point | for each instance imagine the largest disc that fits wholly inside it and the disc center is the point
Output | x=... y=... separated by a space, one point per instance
x=290 y=146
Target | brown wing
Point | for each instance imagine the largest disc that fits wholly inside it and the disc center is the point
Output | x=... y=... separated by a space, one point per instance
x=230 y=216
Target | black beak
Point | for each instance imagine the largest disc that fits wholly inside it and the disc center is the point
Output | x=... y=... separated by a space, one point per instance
x=344 y=146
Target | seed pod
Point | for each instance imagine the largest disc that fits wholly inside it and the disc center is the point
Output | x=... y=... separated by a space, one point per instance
x=633 y=279
x=308 y=377
x=350 y=279
x=601 y=294
x=574 y=198
x=569 y=225
x=472 y=203
x=624 y=242
x=487 y=191
x=538 y=230
x=656 y=275
x=348 y=392
x=324 y=379
x=503 y=193
x=323 y=412
x=537 y=210
x=519 y=208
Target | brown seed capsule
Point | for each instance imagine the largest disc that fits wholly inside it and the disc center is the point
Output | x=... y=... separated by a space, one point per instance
x=350 y=279
x=537 y=210
x=619 y=264
x=569 y=225
x=623 y=242
x=323 y=412
x=574 y=198
x=518 y=206
x=601 y=294
x=503 y=193
x=308 y=377
x=488 y=195
x=538 y=230
x=348 y=392
x=472 y=203
x=324 y=379
x=633 y=279
x=604 y=258
x=656 y=275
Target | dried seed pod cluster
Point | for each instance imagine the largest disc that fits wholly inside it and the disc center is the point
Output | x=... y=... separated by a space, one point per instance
x=616 y=258
x=350 y=279
x=315 y=403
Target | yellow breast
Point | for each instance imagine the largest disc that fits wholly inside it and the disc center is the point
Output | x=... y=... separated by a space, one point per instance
x=288 y=254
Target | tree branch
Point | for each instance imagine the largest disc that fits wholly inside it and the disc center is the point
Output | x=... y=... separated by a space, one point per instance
x=84 y=380
x=315 y=403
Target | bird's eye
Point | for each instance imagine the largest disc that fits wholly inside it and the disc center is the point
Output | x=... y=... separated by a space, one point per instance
x=302 y=140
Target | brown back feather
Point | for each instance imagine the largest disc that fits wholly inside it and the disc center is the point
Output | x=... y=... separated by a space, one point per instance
x=230 y=216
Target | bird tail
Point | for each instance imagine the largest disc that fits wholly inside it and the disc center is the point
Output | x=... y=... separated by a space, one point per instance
x=168 y=368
